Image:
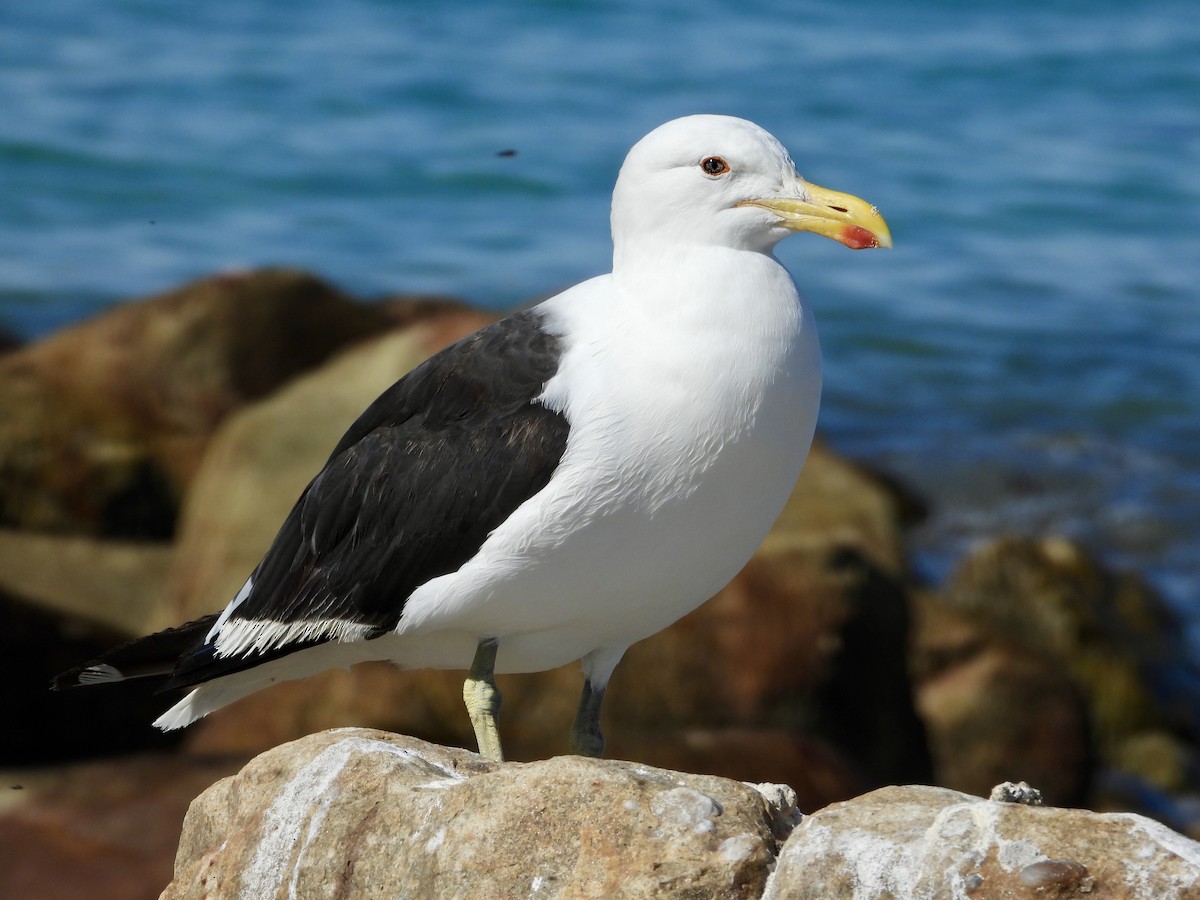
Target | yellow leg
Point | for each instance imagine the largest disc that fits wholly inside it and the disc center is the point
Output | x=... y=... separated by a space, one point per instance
x=586 y=739
x=483 y=700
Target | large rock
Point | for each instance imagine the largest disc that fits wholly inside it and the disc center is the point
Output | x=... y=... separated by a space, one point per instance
x=102 y=424
x=1113 y=634
x=1036 y=662
x=117 y=584
x=922 y=843
x=995 y=711
x=356 y=814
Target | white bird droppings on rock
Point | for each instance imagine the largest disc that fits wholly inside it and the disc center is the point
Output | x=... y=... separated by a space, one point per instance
x=302 y=806
x=1017 y=854
x=312 y=787
x=1161 y=837
x=687 y=807
x=434 y=842
x=738 y=847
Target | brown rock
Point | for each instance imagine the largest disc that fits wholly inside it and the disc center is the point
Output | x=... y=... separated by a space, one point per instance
x=925 y=842
x=994 y=711
x=1074 y=626
x=1053 y=598
x=103 y=830
x=103 y=424
x=118 y=584
x=355 y=813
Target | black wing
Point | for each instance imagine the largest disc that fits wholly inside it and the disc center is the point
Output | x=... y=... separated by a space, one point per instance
x=411 y=491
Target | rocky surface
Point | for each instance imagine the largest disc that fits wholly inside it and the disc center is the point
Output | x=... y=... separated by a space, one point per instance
x=116 y=583
x=1108 y=631
x=994 y=711
x=354 y=813
x=926 y=842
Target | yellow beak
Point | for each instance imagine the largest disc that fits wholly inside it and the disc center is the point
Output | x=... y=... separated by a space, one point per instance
x=843 y=217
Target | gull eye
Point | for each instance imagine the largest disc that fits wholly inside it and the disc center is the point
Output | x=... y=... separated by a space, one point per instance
x=714 y=166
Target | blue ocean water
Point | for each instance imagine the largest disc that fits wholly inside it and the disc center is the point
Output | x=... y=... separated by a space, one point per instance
x=1026 y=355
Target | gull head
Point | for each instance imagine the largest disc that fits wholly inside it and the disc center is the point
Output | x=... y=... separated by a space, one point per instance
x=724 y=182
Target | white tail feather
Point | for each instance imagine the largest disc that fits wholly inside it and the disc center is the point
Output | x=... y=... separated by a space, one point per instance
x=212 y=695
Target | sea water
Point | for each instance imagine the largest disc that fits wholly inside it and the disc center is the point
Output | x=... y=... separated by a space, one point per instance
x=1027 y=355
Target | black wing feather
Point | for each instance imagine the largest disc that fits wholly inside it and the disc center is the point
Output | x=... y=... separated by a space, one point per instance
x=412 y=490
x=146 y=657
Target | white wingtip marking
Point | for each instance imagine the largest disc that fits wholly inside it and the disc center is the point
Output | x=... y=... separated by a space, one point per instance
x=242 y=637
x=100 y=673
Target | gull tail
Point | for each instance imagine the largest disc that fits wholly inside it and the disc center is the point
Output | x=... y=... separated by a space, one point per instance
x=154 y=656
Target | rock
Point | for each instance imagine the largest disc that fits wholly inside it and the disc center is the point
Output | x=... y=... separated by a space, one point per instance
x=104 y=830
x=118 y=584
x=926 y=842
x=1017 y=792
x=355 y=813
x=1051 y=597
x=102 y=424
x=1036 y=662
x=994 y=711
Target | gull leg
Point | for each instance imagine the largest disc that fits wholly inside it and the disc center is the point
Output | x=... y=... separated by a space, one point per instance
x=483 y=700
x=586 y=739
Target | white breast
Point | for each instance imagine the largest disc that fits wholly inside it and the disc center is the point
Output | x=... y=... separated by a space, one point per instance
x=691 y=409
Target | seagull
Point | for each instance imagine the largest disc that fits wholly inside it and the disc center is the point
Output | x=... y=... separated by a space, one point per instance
x=564 y=482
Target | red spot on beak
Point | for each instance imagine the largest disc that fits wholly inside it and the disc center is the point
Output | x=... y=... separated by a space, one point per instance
x=858 y=238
